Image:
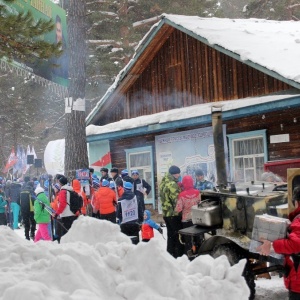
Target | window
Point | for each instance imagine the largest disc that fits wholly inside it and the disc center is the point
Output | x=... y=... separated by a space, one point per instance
x=248 y=153
x=141 y=159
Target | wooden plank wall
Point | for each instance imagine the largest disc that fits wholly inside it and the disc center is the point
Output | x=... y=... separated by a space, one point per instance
x=271 y=122
x=186 y=72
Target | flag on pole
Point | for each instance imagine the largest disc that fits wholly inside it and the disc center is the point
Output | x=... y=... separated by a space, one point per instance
x=12 y=160
x=33 y=153
x=24 y=161
x=28 y=152
x=17 y=169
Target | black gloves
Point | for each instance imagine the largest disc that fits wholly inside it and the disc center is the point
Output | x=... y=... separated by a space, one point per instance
x=160 y=230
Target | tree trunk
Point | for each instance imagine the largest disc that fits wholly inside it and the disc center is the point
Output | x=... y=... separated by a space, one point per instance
x=76 y=146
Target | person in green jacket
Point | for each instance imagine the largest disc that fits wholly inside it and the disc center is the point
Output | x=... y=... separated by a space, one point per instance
x=169 y=191
x=41 y=216
x=3 y=205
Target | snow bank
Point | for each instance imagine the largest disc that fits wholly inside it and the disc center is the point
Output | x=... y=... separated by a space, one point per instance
x=96 y=261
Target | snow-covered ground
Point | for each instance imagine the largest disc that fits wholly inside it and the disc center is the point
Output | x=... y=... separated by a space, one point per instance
x=96 y=261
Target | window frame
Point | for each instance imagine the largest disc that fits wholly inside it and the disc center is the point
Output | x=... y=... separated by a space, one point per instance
x=137 y=151
x=245 y=136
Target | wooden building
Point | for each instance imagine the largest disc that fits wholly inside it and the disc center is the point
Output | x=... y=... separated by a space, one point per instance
x=158 y=111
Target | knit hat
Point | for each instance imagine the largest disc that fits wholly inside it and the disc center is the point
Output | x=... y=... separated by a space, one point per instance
x=46 y=184
x=174 y=170
x=57 y=176
x=112 y=185
x=128 y=186
x=96 y=184
x=104 y=170
x=135 y=172
x=36 y=183
x=105 y=182
x=114 y=170
x=95 y=177
x=63 y=180
x=38 y=190
x=124 y=172
x=199 y=172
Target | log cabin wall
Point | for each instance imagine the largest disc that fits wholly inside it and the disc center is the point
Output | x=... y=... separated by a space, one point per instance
x=271 y=122
x=186 y=72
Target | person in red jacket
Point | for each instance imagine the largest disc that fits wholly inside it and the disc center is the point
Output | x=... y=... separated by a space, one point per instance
x=186 y=199
x=290 y=247
x=64 y=214
x=147 y=227
x=105 y=201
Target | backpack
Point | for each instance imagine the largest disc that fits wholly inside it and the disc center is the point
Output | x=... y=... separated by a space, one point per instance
x=76 y=202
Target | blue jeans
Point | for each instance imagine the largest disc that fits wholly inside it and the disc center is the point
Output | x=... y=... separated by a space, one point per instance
x=15 y=210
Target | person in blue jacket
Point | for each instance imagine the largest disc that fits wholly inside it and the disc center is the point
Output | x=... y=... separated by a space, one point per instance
x=148 y=226
x=201 y=183
x=3 y=205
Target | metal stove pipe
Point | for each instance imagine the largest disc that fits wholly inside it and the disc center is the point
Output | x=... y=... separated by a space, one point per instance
x=217 y=124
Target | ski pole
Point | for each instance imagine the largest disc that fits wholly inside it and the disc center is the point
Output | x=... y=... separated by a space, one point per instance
x=52 y=212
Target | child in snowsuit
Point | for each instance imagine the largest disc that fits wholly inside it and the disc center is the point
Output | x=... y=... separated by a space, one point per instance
x=41 y=215
x=147 y=227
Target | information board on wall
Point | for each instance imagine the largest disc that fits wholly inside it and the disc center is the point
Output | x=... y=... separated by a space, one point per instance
x=189 y=150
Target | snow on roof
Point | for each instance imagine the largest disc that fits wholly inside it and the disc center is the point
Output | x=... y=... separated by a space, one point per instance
x=182 y=113
x=274 y=45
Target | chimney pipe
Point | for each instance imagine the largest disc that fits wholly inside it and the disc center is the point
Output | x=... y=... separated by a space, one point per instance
x=217 y=124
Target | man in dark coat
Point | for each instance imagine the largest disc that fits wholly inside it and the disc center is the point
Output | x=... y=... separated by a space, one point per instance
x=116 y=177
x=141 y=188
x=27 y=198
x=104 y=173
x=128 y=213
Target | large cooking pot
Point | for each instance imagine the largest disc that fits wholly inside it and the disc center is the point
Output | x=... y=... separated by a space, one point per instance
x=207 y=213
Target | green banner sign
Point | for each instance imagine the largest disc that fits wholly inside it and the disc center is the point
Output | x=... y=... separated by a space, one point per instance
x=56 y=68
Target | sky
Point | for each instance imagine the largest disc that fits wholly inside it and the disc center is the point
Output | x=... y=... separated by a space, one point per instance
x=96 y=261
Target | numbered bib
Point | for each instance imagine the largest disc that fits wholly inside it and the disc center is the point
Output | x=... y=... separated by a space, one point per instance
x=129 y=210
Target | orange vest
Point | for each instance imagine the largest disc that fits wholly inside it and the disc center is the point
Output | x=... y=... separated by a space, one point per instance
x=147 y=232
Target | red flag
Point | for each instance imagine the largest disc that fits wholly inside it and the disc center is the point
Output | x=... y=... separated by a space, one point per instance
x=12 y=160
x=103 y=161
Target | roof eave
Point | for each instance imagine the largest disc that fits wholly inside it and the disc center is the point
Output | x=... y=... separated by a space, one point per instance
x=196 y=121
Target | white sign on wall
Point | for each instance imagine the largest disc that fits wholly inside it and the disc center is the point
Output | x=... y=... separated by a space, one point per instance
x=279 y=138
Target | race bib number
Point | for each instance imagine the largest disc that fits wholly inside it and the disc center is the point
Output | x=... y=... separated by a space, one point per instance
x=129 y=210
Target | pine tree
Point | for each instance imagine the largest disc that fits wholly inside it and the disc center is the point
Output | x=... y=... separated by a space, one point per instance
x=76 y=148
x=20 y=36
x=273 y=9
x=113 y=33
x=31 y=114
